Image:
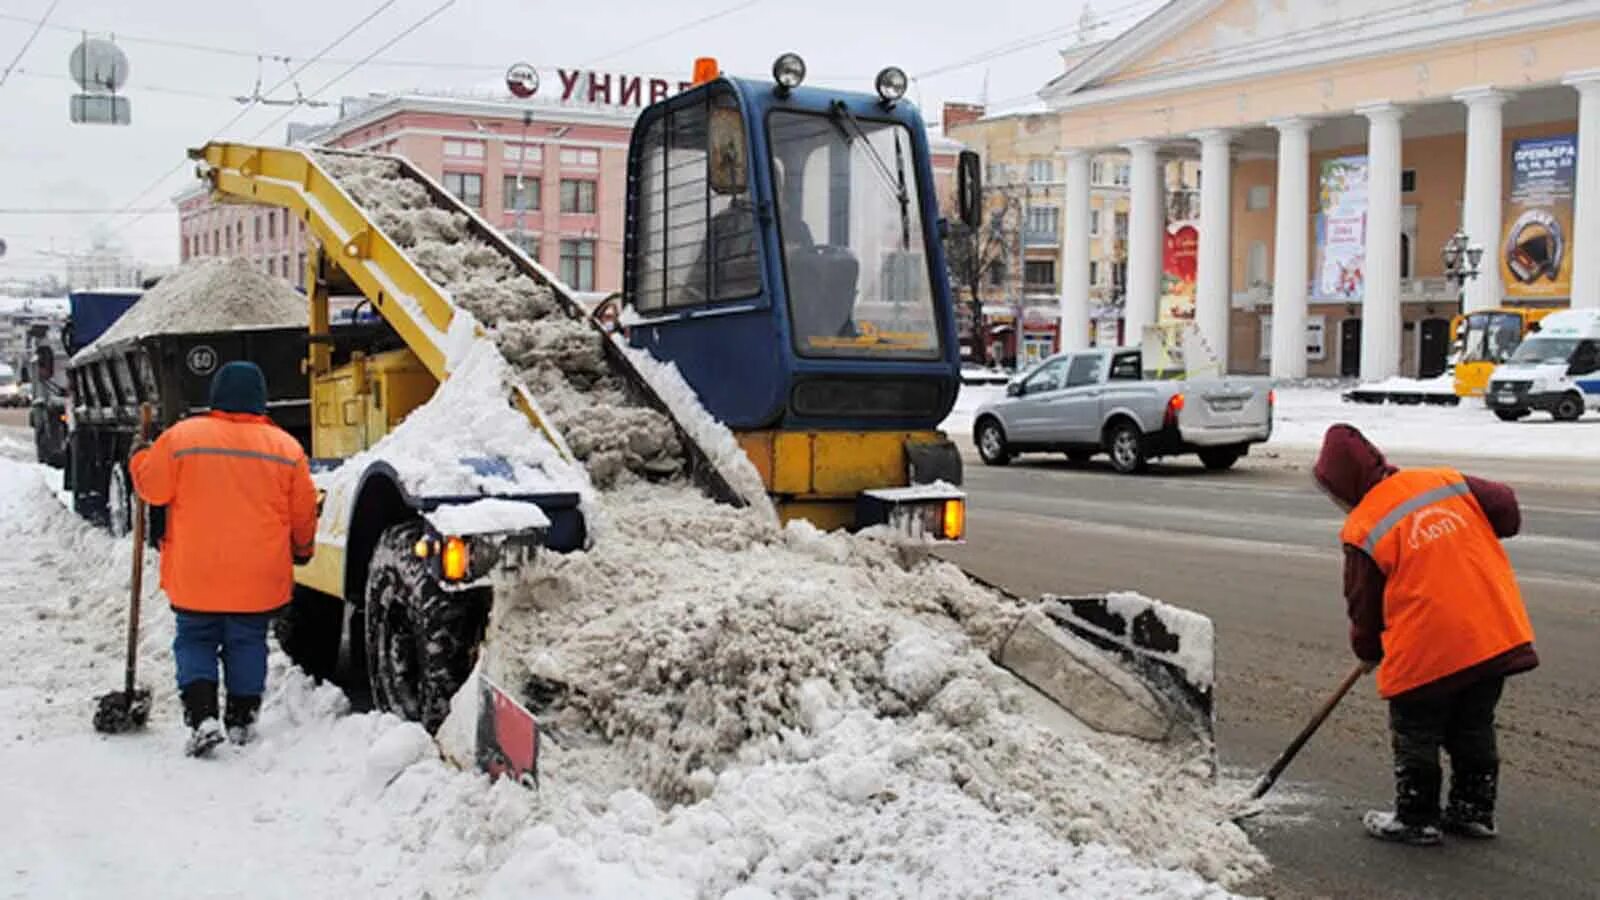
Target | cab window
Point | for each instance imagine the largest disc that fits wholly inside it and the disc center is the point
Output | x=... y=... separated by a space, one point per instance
x=1045 y=378
x=1585 y=359
x=695 y=238
x=1085 y=369
x=1125 y=367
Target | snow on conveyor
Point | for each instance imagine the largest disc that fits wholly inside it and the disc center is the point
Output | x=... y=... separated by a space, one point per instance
x=334 y=804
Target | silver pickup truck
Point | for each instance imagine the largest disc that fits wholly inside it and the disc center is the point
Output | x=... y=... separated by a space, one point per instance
x=1098 y=401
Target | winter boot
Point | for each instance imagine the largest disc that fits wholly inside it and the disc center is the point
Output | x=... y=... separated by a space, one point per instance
x=1471 y=810
x=1386 y=826
x=200 y=714
x=240 y=718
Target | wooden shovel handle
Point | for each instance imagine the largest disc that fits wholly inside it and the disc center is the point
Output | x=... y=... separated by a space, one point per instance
x=145 y=415
x=1265 y=782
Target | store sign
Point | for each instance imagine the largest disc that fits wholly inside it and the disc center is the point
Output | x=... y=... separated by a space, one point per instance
x=613 y=89
x=1535 y=252
x=1316 y=337
x=1341 y=229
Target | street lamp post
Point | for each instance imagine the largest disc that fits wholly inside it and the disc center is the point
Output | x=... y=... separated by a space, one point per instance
x=1461 y=258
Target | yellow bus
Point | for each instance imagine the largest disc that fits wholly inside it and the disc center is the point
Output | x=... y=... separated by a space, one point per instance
x=1485 y=339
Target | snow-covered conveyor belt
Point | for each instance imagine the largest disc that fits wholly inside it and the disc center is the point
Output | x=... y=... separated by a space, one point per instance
x=699 y=652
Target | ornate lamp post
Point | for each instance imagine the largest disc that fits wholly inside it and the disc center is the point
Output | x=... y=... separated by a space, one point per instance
x=1461 y=258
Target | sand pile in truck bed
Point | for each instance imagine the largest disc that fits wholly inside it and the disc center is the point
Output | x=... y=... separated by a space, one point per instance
x=209 y=294
x=560 y=359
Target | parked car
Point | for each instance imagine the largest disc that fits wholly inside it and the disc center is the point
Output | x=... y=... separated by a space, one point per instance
x=1099 y=401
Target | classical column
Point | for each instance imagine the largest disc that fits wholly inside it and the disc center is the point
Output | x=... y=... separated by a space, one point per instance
x=1213 y=287
x=1290 y=262
x=1481 y=195
x=1380 y=304
x=1586 y=199
x=1075 y=255
x=1146 y=227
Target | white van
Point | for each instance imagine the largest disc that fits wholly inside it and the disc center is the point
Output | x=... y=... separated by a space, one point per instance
x=1556 y=369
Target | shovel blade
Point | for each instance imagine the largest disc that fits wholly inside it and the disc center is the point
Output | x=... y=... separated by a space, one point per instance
x=122 y=711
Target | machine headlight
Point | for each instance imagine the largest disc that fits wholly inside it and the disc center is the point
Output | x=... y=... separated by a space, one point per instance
x=891 y=84
x=789 y=71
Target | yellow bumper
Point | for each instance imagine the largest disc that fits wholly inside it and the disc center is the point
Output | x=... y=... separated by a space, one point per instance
x=816 y=475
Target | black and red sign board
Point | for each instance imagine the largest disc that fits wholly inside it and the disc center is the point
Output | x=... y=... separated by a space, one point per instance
x=508 y=735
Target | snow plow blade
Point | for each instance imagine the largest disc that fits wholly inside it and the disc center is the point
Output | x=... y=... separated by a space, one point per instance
x=1120 y=663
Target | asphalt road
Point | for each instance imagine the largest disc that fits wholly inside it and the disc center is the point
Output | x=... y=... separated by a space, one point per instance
x=1257 y=550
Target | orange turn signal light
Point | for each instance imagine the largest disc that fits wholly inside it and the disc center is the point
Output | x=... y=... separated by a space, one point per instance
x=453 y=561
x=955 y=519
x=705 y=69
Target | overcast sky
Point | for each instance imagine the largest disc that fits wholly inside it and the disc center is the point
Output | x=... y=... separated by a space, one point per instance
x=180 y=97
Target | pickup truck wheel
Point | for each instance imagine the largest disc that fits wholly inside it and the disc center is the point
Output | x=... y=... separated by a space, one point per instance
x=1220 y=459
x=1568 y=409
x=1511 y=415
x=119 y=501
x=421 y=640
x=1125 y=443
x=992 y=443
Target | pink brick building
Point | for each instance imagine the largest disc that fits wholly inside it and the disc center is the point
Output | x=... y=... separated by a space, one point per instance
x=569 y=158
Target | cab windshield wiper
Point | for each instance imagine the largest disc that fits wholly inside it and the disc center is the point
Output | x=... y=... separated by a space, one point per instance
x=896 y=182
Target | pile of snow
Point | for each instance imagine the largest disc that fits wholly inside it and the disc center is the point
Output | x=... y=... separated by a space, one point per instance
x=330 y=803
x=1439 y=385
x=1303 y=416
x=209 y=294
x=697 y=651
x=560 y=359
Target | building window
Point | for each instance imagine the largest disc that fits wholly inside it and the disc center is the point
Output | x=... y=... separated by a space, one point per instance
x=283 y=265
x=1094 y=222
x=1408 y=181
x=1039 y=274
x=527 y=197
x=1120 y=222
x=1124 y=174
x=528 y=242
x=528 y=153
x=466 y=186
x=1097 y=171
x=272 y=222
x=1094 y=271
x=464 y=149
x=1405 y=255
x=577 y=264
x=1256 y=268
x=1042 y=222
x=575 y=156
x=1259 y=197
x=258 y=228
x=301 y=278
x=1119 y=275
x=997 y=274
x=272 y=266
x=577 y=195
x=1040 y=171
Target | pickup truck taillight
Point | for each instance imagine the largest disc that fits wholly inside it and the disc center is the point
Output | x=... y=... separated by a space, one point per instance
x=1174 y=406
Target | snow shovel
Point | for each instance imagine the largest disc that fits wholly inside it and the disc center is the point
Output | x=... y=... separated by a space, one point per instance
x=129 y=709
x=1248 y=806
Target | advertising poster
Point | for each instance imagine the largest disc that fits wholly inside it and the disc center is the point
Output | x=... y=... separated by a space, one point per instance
x=1535 y=256
x=1179 y=263
x=1341 y=229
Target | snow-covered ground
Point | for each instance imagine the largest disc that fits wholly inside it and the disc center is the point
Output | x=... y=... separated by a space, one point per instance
x=1304 y=414
x=330 y=803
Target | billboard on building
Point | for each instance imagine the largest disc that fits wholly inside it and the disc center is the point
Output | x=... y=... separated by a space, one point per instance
x=1178 y=268
x=1535 y=254
x=1341 y=229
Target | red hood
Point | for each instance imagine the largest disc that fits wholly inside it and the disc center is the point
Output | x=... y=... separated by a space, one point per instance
x=1349 y=465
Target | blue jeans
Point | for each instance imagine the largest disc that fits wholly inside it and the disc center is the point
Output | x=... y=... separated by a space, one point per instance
x=240 y=639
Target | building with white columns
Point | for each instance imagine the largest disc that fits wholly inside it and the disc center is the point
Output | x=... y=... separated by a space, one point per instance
x=1340 y=145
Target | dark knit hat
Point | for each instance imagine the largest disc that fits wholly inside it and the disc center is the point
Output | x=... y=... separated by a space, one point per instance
x=239 y=387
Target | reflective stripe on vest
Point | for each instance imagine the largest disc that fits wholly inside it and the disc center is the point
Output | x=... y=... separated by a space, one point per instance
x=1426 y=498
x=229 y=451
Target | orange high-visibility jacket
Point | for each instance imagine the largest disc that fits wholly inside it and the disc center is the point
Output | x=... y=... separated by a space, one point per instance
x=240 y=507
x=1450 y=600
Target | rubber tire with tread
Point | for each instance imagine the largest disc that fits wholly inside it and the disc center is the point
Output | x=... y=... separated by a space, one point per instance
x=1127 y=459
x=421 y=640
x=1220 y=459
x=1568 y=409
x=1511 y=415
x=994 y=453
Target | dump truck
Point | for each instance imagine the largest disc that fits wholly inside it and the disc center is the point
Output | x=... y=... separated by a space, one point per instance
x=802 y=301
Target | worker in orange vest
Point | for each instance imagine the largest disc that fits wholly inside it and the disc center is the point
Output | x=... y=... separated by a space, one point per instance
x=1434 y=607
x=241 y=510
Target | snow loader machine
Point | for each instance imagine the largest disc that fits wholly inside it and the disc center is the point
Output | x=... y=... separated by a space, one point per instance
x=783 y=250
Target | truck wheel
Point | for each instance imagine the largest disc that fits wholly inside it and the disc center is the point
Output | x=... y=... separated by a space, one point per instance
x=119 y=501
x=1568 y=409
x=309 y=630
x=1220 y=459
x=1511 y=415
x=1125 y=443
x=421 y=640
x=992 y=443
